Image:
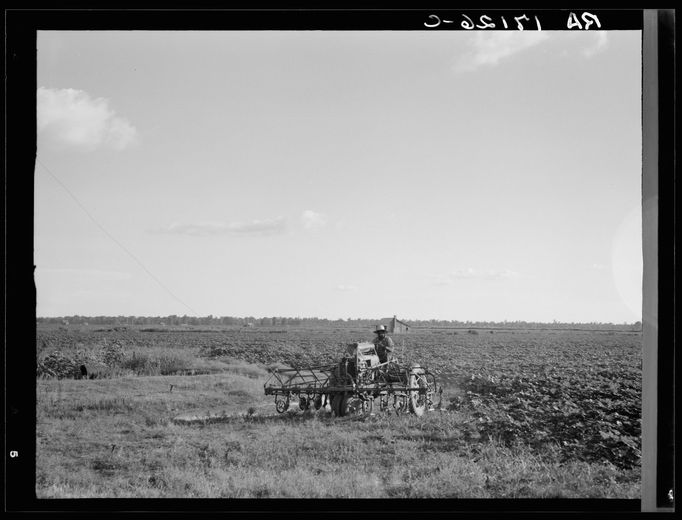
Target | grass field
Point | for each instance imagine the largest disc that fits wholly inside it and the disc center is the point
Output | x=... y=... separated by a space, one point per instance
x=525 y=414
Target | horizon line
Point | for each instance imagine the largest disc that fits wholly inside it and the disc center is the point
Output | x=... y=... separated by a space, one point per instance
x=555 y=321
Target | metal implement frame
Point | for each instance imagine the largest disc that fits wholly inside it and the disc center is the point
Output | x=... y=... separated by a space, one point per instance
x=315 y=382
x=310 y=380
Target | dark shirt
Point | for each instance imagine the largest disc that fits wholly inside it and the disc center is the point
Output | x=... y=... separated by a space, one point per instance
x=384 y=347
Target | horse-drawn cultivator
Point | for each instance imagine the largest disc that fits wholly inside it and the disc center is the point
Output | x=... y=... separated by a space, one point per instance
x=355 y=385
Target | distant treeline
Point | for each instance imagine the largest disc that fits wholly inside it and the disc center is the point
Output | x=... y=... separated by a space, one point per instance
x=251 y=321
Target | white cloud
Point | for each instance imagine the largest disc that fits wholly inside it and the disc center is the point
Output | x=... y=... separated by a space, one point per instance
x=253 y=228
x=489 y=48
x=313 y=220
x=599 y=44
x=347 y=288
x=598 y=267
x=71 y=118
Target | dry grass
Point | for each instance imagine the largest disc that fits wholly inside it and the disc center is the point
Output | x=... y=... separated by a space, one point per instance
x=116 y=438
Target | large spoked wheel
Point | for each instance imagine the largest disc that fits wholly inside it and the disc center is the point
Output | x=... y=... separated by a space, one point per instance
x=431 y=380
x=343 y=405
x=418 y=399
x=354 y=406
x=336 y=404
x=340 y=378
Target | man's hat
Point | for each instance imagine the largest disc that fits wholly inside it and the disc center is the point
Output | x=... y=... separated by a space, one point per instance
x=380 y=328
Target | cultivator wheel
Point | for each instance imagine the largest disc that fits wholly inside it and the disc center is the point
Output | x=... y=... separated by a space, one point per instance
x=354 y=405
x=317 y=403
x=399 y=404
x=303 y=403
x=418 y=398
x=432 y=389
x=383 y=402
x=281 y=403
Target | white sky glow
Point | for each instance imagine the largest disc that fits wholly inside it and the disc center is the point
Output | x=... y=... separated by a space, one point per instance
x=447 y=175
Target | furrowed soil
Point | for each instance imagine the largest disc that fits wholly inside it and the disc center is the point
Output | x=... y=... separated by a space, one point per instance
x=525 y=414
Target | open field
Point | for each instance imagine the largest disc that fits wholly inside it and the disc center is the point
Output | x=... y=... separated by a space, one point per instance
x=525 y=414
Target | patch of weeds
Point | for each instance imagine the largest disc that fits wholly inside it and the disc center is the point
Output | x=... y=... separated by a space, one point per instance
x=151 y=421
x=207 y=455
x=116 y=404
x=105 y=466
x=233 y=446
x=398 y=491
x=261 y=492
x=157 y=481
x=239 y=393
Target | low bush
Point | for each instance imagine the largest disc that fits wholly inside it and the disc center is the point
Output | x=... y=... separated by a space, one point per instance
x=157 y=363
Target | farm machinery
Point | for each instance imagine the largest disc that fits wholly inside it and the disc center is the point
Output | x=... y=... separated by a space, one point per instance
x=356 y=385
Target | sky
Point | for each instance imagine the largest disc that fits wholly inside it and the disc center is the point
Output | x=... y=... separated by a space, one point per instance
x=454 y=175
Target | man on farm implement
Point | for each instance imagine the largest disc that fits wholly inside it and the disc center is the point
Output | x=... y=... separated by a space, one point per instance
x=366 y=376
x=383 y=344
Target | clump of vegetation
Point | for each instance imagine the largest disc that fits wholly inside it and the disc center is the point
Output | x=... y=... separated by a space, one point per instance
x=112 y=359
x=67 y=364
x=112 y=354
x=157 y=363
x=57 y=364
